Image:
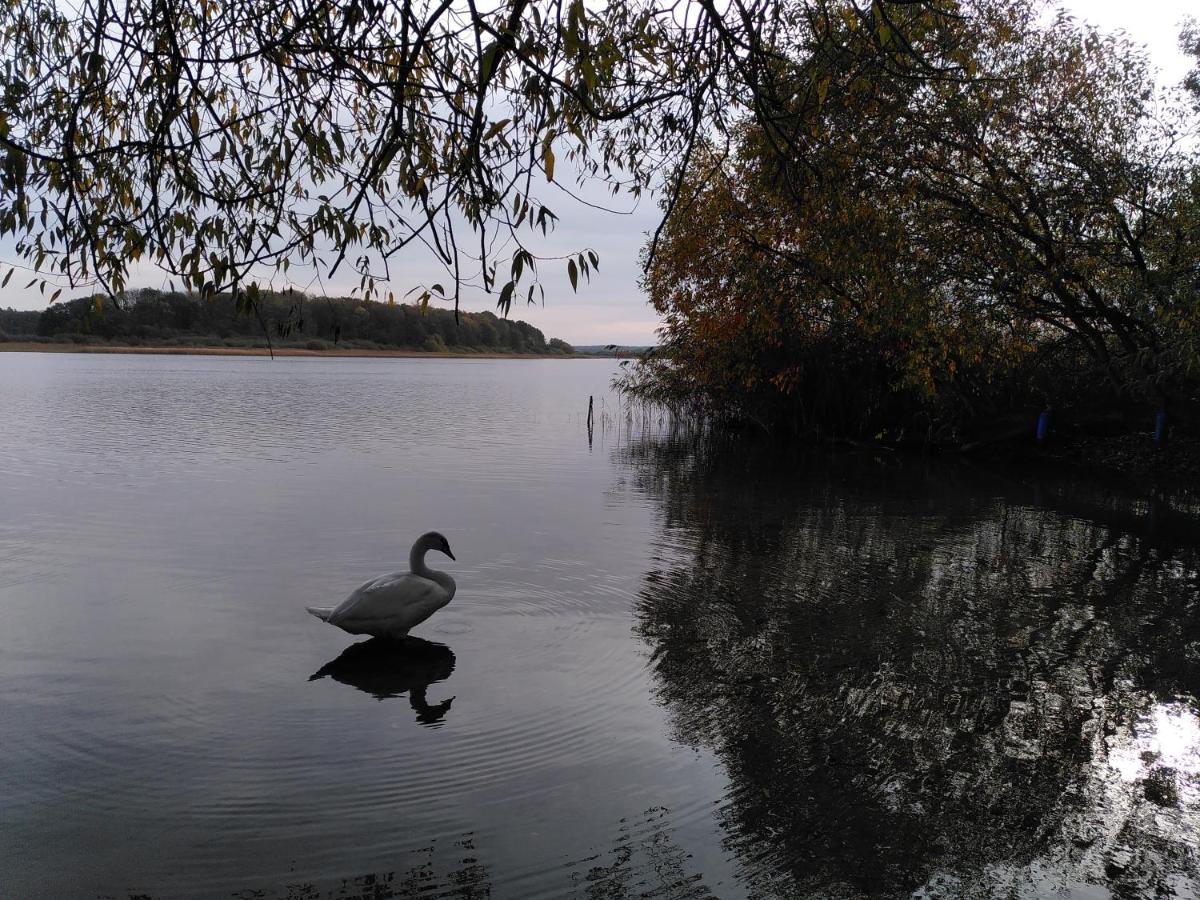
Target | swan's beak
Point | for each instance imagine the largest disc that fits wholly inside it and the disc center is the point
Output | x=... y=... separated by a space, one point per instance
x=449 y=554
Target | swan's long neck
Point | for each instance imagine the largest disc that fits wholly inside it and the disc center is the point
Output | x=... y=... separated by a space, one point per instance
x=416 y=565
x=416 y=560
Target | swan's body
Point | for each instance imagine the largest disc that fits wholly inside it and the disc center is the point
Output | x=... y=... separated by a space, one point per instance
x=388 y=606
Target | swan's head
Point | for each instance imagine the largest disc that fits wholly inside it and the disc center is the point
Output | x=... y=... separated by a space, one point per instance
x=435 y=540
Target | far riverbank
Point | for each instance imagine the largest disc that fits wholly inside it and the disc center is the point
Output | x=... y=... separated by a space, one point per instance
x=38 y=347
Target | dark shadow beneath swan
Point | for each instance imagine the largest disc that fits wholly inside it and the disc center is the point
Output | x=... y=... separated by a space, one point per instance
x=387 y=668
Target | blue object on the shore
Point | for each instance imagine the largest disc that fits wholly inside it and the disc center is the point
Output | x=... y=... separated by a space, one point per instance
x=1160 y=428
x=1043 y=426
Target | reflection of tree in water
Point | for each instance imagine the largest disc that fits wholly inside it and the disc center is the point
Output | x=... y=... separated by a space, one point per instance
x=643 y=861
x=425 y=873
x=911 y=683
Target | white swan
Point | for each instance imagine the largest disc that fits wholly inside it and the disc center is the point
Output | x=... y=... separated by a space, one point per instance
x=388 y=606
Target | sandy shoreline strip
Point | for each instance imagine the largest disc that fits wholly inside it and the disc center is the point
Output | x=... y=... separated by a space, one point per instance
x=35 y=347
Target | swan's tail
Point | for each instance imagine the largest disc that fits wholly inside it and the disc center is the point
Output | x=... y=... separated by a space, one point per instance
x=321 y=612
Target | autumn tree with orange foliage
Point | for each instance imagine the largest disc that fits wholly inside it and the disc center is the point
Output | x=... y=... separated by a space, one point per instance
x=942 y=250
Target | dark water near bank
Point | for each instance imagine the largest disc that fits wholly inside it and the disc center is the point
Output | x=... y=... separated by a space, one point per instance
x=671 y=670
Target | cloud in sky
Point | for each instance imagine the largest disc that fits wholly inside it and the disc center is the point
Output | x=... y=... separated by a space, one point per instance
x=612 y=308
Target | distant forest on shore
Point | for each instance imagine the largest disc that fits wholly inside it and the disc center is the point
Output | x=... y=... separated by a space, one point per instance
x=171 y=319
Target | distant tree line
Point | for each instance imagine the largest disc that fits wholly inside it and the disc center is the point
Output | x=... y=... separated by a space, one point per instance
x=151 y=317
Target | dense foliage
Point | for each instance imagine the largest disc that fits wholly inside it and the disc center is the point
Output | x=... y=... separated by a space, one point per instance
x=225 y=142
x=942 y=251
x=165 y=319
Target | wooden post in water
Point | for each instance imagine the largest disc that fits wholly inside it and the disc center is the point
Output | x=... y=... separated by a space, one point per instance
x=589 y=419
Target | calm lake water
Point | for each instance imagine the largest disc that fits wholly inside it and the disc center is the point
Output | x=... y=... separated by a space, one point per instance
x=673 y=669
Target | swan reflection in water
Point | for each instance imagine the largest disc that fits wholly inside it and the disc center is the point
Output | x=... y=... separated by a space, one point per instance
x=387 y=668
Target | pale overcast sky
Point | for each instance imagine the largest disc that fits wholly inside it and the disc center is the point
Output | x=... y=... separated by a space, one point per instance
x=611 y=309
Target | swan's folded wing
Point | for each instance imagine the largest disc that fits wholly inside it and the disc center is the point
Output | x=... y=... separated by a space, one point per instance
x=400 y=598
